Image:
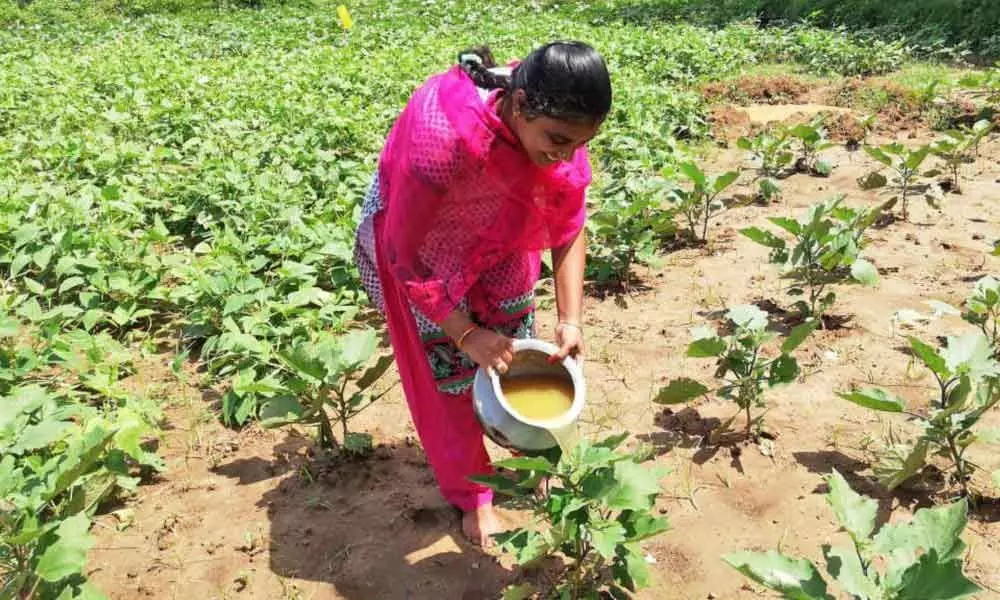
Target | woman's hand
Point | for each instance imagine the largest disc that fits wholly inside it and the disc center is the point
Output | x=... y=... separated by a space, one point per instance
x=489 y=349
x=569 y=338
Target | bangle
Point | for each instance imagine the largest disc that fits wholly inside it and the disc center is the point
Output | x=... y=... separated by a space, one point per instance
x=465 y=334
x=570 y=324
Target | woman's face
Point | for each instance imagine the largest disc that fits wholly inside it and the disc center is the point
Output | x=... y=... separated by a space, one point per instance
x=547 y=140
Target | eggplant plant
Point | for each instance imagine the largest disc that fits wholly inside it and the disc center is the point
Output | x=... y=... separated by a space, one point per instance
x=965 y=372
x=593 y=512
x=960 y=147
x=743 y=363
x=918 y=559
x=812 y=139
x=828 y=243
x=772 y=150
x=701 y=203
x=982 y=309
x=905 y=164
x=335 y=373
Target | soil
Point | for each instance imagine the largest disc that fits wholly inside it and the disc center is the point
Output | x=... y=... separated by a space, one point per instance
x=258 y=515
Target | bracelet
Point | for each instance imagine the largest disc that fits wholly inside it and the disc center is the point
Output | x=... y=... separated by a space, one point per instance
x=576 y=326
x=465 y=334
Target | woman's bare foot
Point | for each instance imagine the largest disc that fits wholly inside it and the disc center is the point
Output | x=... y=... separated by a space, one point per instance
x=480 y=524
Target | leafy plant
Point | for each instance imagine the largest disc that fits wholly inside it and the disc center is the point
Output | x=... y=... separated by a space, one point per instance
x=772 y=149
x=828 y=243
x=741 y=362
x=982 y=309
x=594 y=511
x=921 y=558
x=699 y=204
x=966 y=375
x=331 y=372
x=629 y=226
x=961 y=147
x=905 y=163
x=812 y=140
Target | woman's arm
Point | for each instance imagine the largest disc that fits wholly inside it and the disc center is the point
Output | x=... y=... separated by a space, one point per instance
x=485 y=347
x=568 y=263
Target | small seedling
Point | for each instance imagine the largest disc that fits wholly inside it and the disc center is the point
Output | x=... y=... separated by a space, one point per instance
x=961 y=147
x=594 y=512
x=828 y=240
x=921 y=558
x=772 y=150
x=742 y=362
x=965 y=372
x=812 y=140
x=701 y=202
x=905 y=163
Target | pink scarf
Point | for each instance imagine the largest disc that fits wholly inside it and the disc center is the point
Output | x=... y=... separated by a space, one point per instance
x=460 y=194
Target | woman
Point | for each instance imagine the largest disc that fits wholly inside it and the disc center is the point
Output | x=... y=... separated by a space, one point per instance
x=481 y=172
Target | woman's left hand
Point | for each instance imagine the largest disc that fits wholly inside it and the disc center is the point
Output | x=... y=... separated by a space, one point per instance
x=569 y=338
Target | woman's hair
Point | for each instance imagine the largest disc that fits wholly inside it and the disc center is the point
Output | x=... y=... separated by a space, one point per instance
x=561 y=80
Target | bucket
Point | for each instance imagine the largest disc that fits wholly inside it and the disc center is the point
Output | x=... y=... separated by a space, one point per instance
x=506 y=426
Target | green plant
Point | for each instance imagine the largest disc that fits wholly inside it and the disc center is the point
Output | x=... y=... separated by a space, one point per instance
x=594 y=511
x=628 y=226
x=966 y=375
x=812 y=140
x=828 y=241
x=927 y=94
x=961 y=147
x=905 y=163
x=985 y=83
x=742 y=362
x=699 y=204
x=982 y=309
x=921 y=558
x=772 y=149
x=329 y=372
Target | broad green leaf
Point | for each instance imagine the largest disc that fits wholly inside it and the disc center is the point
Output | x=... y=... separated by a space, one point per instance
x=765 y=238
x=932 y=579
x=630 y=571
x=613 y=441
x=864 y=272
x=358 y=443
x=68 y=554
x=901 y=463
x=875 y=399
x=747 y=316
x=40 y=435
x=796 y=579
x=706 y=347
x=303 y=363
x=878 y=155
x=872 y=181
x=9 y=327
x=526 y=546
x=725 y=180
x=930 y=357
x=680 y=390
x=526 y=463
x=605 y=537
x=784 y=369
x=790 y=225
x=634 y=486
x=692 y=172
x=373 y=373
x=280 y=410
x=916 y=158
x=970 y=354
x=937 y=529
x=845 y=567
x=855 y=512
x=640 y=525
x=358 y=346
x=798 y=334
x=71 y=283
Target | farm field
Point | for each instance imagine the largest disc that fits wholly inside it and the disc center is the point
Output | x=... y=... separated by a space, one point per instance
x=180 y=183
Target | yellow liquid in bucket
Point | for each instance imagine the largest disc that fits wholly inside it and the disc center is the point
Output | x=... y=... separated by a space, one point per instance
x=538 y=397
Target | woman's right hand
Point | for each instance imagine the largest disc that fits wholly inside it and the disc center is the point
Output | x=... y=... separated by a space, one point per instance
x=489 y=349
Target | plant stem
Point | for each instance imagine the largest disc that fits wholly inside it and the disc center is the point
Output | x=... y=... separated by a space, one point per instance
x=956 y=457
